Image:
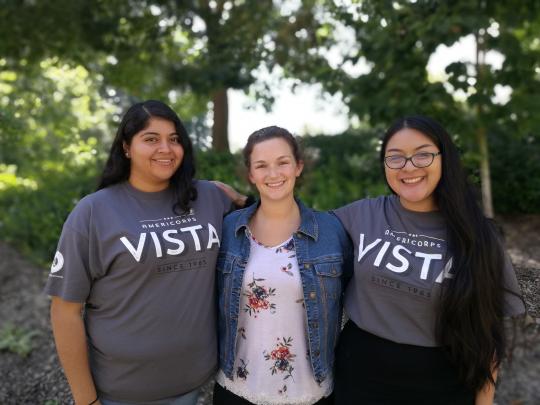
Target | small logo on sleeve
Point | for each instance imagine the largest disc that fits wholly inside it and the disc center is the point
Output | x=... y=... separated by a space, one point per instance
x=57 y=264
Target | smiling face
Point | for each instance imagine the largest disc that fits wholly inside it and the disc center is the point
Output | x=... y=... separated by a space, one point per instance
x=414 y=186
x=155 y=154
x=273 y=169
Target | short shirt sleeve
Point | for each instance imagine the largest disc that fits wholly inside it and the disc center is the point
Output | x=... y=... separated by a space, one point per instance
x=346 y=243
x=513 y=303
x=69 y=277
x=345 y=214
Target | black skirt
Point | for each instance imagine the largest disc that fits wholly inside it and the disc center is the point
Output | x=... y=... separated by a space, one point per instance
x=372 y=370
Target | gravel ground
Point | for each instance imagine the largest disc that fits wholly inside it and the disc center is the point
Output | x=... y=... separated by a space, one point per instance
x=38 y=378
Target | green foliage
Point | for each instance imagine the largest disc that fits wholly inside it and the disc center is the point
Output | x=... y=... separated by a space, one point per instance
x=52 y=126
x=50 y=112
x=34 y=210
x=341 y=169
x=514 y=171
x=166 y=49
x=16 y=340
x=394 y=42
x=224 y=167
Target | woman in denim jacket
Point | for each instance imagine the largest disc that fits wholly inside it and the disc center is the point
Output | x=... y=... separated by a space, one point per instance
x=280 y=281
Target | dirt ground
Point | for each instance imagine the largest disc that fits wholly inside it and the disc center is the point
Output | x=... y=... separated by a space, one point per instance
x=38 y=378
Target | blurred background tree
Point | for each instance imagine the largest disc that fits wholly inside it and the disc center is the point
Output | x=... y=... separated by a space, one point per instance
x=393 y=45
x=69 y=68
x=188 y=52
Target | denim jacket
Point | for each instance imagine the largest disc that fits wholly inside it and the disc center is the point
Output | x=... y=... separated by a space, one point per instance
x=323 y=251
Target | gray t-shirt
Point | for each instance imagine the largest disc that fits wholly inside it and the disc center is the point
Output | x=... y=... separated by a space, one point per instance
x=146 y=275
x=400 y=261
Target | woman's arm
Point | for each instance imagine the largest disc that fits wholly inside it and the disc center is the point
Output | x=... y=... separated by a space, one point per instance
x=240 y=200
x=487 y=393
x=70 y=338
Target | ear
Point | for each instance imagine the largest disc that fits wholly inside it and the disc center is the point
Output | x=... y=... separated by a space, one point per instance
x=299 y=168
x=125 y=146
x=250 y=178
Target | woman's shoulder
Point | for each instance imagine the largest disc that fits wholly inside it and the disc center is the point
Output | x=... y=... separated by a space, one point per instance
x=325 y=218
x=364 y=208
x=210 y=193
x=325 y=221
x=232 y=217
x=98 y=197
x=83 y=211
x=369 y=203
x=206 y=186
x=203 y=185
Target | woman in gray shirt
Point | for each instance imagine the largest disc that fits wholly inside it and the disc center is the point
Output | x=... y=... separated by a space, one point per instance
x=139 y=257
x=431 y=282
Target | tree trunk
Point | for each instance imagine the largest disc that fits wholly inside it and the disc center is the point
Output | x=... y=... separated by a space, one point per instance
x=220 y=129
x=485 y=176
x=481 y=133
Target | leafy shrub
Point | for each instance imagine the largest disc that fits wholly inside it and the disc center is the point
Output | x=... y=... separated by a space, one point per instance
x=224 y=167
x=16 y=340
x=341 y=169
x=33 y=216
x=515 y=173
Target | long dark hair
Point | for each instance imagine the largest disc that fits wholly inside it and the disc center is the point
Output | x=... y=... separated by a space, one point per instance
x=136 y=118
x=470 y=312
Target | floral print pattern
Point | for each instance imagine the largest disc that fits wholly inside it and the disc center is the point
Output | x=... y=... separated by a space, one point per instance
x=272 y=362
x=258 y=297
x=241 y=370
x=287 y=269
x=287 y=247
x=282 y=357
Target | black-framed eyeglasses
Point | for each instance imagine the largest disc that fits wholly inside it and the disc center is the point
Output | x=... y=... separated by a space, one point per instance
x=422 y=159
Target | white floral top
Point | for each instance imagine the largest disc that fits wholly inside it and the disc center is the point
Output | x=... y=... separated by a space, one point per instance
x=272 y=353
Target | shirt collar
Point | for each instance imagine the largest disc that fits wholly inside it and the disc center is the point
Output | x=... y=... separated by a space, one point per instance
x=308 y=224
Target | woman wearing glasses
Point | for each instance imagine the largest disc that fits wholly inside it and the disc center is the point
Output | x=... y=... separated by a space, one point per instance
x=431 y=282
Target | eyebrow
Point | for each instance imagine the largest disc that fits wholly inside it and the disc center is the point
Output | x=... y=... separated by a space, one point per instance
x=417 y=148
x=278 y=158
x=157 y=133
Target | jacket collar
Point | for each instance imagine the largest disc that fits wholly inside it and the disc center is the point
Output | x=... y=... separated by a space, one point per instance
x=308 y=224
